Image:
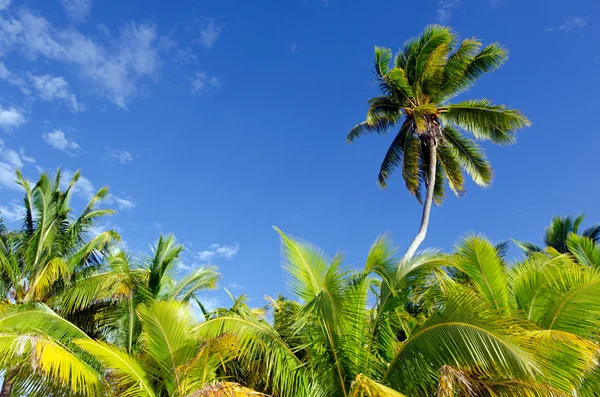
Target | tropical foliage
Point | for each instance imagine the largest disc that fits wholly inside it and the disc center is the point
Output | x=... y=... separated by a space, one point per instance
x=562 y=236
x=82 y=316
x=436 y=137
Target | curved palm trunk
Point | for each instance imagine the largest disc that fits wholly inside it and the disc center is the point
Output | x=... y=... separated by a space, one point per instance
x=412 y=248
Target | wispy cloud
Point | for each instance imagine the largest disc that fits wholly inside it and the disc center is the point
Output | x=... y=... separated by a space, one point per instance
x=571 y=23
x=59 y=140
x=14 y=212
x=124 y=204
x=235 y=286
x=218 y=251
x=209 y=33
x=122 y=156
x=14 y=158
x=10 y=161
x=51 y=88
x=113 y=69
x=295 y=48
x=11 y=118
x=445 y=8
x=86 y=190
x=202 y=83
x=157 y=225
x=14 y=79
x=78 y=10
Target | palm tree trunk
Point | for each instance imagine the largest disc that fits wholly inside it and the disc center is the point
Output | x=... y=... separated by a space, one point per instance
x=412 y=248
x=7 y=383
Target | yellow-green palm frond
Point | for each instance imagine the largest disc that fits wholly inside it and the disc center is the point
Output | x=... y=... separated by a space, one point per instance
x=259 y=343
x=479 y=260
x=225 y=389
x=131 y=378
x=365 y=387
x=465 y=332
x=167 y=339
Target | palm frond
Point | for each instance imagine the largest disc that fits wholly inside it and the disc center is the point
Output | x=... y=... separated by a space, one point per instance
x=132 y=379
x=485 y=121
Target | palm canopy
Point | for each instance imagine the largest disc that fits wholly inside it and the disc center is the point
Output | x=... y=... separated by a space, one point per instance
x=53 y=247
x=416 y=92
x=410 y=328
x=563 y=235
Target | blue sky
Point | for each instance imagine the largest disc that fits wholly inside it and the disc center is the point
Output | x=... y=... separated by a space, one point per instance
x=215 y=120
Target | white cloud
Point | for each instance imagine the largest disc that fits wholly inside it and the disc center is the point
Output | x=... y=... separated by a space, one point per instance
x=11 y=118
x=572 y=23
x=13 y=79
x=183 y=266
x=51 y=88
x=83 y=186
x=4 y=4
x=86 y=189
x=7 y=176
x=113 y=69
x=78 y=10
x=122 y=156
x=209 y=33
x=11 y=160
x=218 y=251
x=445 y=9
x=210 y=303
x=295 y=48
x=202 y=83
x=235 y=286
x=157 y=225
x=59 y=140
x=14 y=212
x=124 y=204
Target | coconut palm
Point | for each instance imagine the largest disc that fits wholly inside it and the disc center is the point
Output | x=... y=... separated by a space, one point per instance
x=173 y=360
x=430 y=147
x=562 y=236
x=505 y=332
x=49 y=253
x=110 y=297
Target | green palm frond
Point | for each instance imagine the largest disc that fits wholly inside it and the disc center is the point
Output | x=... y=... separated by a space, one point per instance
x=260 y=343
x=584 y=249
x=486 y=121
x=365 y=387
x=479 y=260
x=132 y=379
x=52 y=360
x=467 y=333
x=167 y=340
x=203 y=278
x=164 y=258
x=469 y=155
x=393 y=157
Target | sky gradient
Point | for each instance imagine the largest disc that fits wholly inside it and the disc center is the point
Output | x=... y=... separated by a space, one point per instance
x=215 y=120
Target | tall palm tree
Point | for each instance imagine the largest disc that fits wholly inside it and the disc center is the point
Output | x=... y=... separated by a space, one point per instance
x=416 y=92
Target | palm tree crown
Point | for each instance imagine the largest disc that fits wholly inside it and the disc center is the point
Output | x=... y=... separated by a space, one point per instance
x=430 y=147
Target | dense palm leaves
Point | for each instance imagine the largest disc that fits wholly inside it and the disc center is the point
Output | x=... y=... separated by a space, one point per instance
x=411 y=328
x=562 y=236
x=61 y=284
x=430 y=147
x=88 y=319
